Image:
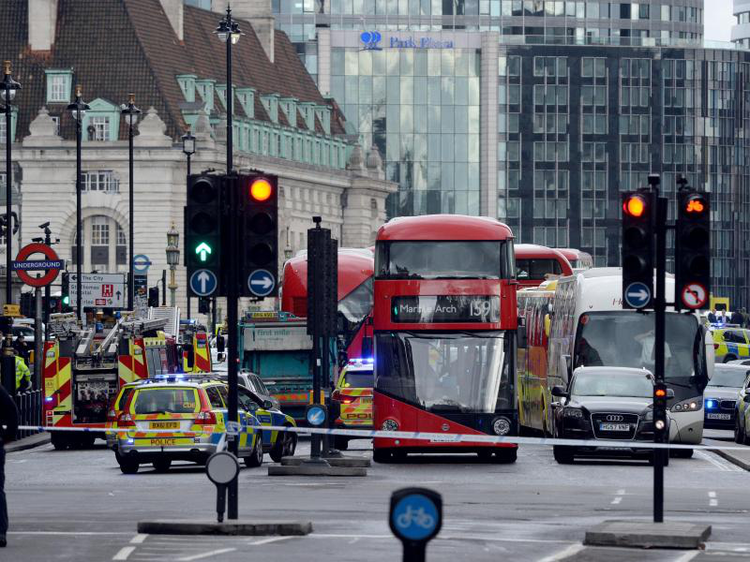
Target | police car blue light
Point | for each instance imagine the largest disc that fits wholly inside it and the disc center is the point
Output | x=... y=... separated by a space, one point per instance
x=710 y=404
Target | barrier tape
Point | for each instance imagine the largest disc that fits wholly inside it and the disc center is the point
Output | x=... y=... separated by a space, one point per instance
x=443 y=438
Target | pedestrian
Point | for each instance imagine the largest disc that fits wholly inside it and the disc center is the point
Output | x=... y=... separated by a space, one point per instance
x=23 y=375
x=8 y=428
x=736 y=318
x=712 y=316
x=22 y=348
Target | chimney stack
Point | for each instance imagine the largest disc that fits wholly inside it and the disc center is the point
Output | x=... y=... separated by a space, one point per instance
x=42 y=24
x=260 y=15
x=175 y=10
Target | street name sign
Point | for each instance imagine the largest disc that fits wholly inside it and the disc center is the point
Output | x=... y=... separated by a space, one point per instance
x=51 y=265
x=99 y=290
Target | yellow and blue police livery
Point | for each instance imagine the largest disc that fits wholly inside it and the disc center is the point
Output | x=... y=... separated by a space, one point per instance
x=174 y=418
x=731 y=343
x=276 y=443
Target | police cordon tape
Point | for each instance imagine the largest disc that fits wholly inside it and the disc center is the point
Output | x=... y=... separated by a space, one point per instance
x=446 y=438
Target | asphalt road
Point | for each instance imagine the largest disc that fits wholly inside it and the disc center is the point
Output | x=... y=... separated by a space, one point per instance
x=77 y=505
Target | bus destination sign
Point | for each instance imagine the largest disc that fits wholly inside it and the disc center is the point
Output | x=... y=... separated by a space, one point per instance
x=445 y=309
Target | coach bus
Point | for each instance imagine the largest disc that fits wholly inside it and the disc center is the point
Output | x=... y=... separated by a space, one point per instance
x=535 y=307
x=355 y=268
x=589 y=327
x=535 y=264
x=444 y=324
x=577 y=258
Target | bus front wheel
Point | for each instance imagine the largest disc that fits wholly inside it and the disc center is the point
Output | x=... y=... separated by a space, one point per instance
x=563 y=454
x=506 y=456
x=382 y=455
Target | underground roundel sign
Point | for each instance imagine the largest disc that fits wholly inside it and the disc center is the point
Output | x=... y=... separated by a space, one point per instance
x=50 y=265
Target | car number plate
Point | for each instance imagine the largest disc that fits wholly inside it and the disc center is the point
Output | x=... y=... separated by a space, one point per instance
x=614 y=427
x=165 y=425
x=719 y=416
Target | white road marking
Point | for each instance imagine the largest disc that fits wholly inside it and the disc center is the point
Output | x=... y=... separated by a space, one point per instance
x=688 y=556
x=462 y=537
x=125 y=551
x=68 y=533
x=718 y=462
x=712 y=502
x=138 y=539
x=618 y=497
x=270 y=540
x=564 y=553
x=206 y=554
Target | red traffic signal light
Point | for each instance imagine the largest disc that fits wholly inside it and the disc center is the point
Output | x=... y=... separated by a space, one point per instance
x=261 y=190
x=634 y=205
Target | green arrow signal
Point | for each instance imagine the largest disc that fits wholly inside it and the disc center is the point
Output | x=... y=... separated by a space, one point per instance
x=203 y=250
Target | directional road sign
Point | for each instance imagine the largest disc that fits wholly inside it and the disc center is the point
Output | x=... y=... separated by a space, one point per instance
x=203 y=282
x=694 y=296
x=51 y=265
x=316 y=415
x=638 y=295
x=261 y=282
x=99 y=290
x=141 y=263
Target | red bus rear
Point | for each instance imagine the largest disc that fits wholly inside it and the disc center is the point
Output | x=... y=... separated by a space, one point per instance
x=354 y=295
x=577 y=258
x=534 y=263
x=445 y=319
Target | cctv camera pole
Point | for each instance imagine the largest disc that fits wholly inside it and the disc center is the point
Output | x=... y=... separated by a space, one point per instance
x=47 y=288
x=660 y=306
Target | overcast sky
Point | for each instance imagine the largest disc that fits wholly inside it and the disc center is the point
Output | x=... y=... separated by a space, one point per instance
x=718 y=19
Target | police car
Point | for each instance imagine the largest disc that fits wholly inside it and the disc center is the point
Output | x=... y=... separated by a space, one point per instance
x=731 y=344
x=277 y=444
x=181 y=418
x=353 y=395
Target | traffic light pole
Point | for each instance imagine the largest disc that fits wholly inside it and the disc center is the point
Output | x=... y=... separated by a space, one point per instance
x=230 y=195
x=660 y=307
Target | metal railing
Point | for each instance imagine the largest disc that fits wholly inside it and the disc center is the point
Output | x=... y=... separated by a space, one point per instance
x=29 y=406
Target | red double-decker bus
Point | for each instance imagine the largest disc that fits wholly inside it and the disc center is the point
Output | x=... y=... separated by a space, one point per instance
x=445 y=318
x=534 y=264
x=355 y=267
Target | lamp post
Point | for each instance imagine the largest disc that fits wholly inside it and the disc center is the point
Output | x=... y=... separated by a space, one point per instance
x=188 y=148
x=78 y=110
x=131 y=113
x=8 y=92
x=229 y=32
x=173 y=259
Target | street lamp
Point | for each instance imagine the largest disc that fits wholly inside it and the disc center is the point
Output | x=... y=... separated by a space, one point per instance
x=173 y=259
x=131 y=113
x=8 y=92
x=229 y=32
x=78 y=110
x=188 y=147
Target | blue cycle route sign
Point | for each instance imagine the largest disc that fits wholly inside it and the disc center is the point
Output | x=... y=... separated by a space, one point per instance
x=203 y=282
x=638 y=295
x=316 y=415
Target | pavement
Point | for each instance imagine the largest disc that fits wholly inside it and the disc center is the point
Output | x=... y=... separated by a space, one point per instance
x=739 y=457
x=36 y=440
x=77 y=505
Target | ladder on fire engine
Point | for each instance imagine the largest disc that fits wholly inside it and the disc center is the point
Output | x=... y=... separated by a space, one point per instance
x=172 y=316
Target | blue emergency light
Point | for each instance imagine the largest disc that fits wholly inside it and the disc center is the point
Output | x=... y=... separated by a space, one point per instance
x=711 y=404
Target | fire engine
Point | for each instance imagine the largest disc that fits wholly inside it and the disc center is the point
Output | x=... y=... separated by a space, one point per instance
x=83 y=371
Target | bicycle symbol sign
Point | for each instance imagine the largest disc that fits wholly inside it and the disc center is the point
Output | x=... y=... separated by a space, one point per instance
x=415 y=517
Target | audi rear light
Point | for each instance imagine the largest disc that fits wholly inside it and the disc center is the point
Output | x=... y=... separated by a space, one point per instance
x=205 y=417
x=126 y=420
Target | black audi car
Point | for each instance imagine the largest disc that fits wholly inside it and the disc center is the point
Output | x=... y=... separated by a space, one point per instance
x=612 y=403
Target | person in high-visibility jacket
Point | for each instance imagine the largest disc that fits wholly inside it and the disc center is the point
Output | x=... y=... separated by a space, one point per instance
x=23 y=375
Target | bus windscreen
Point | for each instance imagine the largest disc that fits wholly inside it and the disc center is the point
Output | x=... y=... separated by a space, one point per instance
x=461 y=372
x=467 y=259
x=537 y=269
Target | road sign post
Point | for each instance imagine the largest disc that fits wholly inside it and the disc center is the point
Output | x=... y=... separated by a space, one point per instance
x=415 y=517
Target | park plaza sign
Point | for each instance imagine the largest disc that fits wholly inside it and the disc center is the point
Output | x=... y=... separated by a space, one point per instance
x=373 y=41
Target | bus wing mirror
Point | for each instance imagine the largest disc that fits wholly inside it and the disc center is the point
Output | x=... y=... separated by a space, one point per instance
x=522 y=341
x=670 y=393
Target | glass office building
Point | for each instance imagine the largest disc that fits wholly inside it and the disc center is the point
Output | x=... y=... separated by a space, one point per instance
x=541 y=113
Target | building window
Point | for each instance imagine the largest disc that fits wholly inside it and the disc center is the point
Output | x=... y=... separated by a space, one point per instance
x=99 y=231
x=100 y=128
x=58 y=86
x=101 y=180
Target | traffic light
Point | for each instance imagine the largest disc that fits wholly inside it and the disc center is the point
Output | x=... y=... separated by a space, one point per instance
x=259 y=235
x=692 y=249
x=204 y=305
x=153 y=296
x=660 y=409
x=65 y=293
x=638 y=222
x=203 y=226
x=54 y=305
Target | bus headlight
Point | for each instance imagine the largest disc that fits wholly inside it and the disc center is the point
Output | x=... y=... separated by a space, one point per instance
x=501 y=426
x=389 y=425
x=689 y=405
